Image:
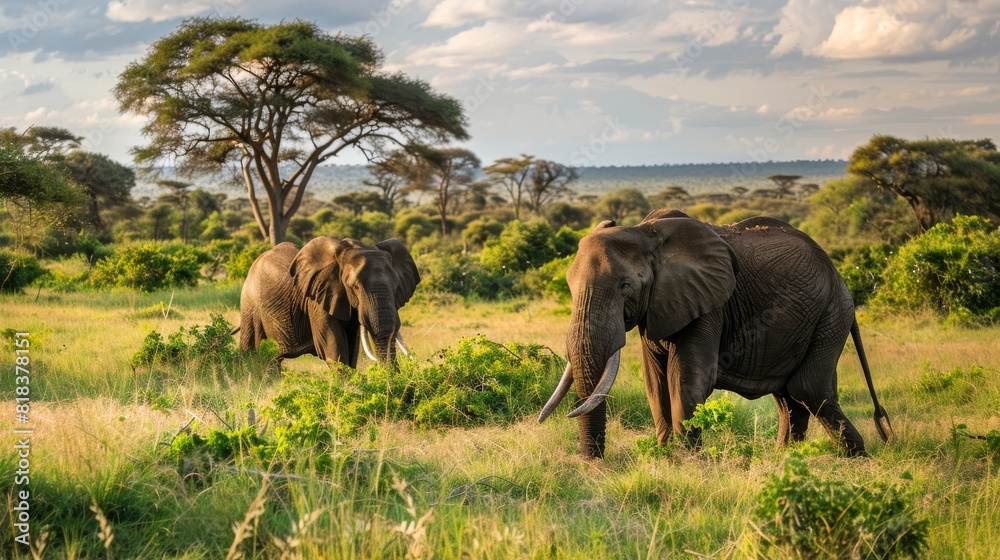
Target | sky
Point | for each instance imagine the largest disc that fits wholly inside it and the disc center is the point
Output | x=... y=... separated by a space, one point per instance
x=581 y=82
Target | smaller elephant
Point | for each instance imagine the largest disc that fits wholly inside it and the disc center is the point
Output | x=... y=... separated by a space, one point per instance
x=324 y=298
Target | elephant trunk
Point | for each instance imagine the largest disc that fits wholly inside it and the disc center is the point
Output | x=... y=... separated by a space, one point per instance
x=379 y=320
x=593 y=345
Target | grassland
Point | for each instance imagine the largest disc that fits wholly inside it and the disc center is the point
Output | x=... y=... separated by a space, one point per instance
x=499 y=491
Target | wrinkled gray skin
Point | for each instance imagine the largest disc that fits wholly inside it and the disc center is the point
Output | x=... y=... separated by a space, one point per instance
x=756 y=308
x=314 y=300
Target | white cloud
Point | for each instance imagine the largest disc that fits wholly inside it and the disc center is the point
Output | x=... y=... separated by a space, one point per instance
x=152 y=10
x=38 y=114
x=804 y=24
x=453 y=13
x=531 y=72
x=488 y=43
x=882 y=28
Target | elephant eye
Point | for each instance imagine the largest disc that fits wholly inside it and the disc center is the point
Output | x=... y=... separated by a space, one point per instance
x=625 y=287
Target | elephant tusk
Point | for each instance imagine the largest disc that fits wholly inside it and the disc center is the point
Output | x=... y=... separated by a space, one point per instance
x=602 y=389
x=366 y=346
x=402 y=347
x=558 y=395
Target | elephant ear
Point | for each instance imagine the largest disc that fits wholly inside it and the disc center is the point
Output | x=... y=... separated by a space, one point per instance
x=315 y=271
x=695 y=272
x=405 y=268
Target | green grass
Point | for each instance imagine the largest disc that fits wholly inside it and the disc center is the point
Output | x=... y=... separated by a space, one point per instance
x=516 y=490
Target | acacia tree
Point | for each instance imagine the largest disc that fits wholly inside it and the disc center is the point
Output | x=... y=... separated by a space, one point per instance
x=35 y=193
x=445 y=172
x=549 y=181
x=106 y=182
x=784 y=184
x=937 y=178
x=42 y=142
x=391 y=176
x=273 y=103
x=512 y=173
x=621 y=203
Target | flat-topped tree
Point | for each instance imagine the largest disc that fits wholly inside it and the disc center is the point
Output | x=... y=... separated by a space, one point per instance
x=512 y=173
x=938 y=177
x=549 y=182
x=445 y=172
x=272 y=103
x=784 y=184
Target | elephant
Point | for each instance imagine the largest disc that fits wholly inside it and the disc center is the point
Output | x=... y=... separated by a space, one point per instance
x=755 y=308
x=323 y=298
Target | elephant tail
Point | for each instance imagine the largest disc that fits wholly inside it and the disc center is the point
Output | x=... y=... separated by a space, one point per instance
x=882 y=424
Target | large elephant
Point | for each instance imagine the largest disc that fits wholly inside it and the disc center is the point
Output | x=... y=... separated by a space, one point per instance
x=756 y=308
x=323 y=298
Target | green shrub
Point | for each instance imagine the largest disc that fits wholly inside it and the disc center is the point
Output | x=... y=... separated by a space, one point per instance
x=455 y=273
x=711 y=415
x=234 y=256
x=149 y=266
x=953 y=269
x=474 y=382
x=805 y=516
x=213 y=343
x=526 y=245
x=18 y=270
x=412 y=226
x=239 y=263
x=862 y=268
x=548 y=280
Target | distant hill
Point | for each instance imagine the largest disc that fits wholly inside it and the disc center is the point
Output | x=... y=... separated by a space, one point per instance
x=329 y=181
x=699 y=178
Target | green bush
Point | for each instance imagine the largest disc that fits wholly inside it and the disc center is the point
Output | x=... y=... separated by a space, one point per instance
x=474 y=383
x=710 y=415
x=548 y=280
x=455 y=273
x=18 y=270
x=213 y=343
x=801 y=515
x=234 y=256
x=952 y=268
x=149 y=266
x=412 y=226
x=862 y=268
x=526 y=245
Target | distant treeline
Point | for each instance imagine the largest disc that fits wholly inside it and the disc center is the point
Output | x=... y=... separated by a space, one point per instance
x=329 y=181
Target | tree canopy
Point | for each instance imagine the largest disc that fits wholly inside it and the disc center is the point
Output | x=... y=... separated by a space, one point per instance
x=106 y=182
x=27 y=179
x=938 y=178
x=273 y=102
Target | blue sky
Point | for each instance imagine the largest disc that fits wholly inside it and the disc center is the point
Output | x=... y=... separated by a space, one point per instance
x=582 y=82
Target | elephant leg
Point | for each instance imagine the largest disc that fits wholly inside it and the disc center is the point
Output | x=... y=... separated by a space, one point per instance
x=814 y=384
x=331 y=340
x=692 y=369
x=654 y=372
x=841 y=429
x=793 y=419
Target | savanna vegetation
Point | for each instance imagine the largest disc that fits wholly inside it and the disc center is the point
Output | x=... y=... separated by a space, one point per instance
x=155 y=437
